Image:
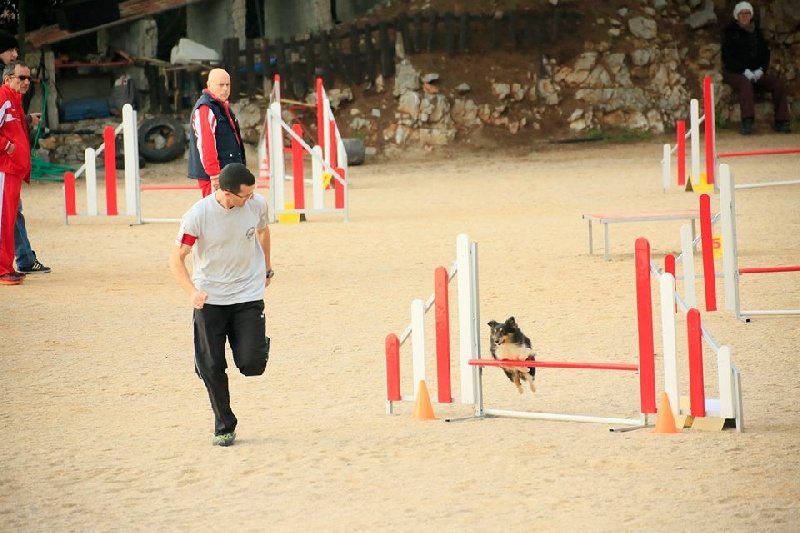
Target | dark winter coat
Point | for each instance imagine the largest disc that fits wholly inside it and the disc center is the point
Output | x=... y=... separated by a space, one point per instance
x=742 y=50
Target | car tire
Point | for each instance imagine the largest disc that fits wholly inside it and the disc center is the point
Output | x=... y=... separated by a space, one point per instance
x=171 y=144
x=355 y=149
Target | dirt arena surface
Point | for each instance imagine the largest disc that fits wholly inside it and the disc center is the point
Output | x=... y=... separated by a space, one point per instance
x=106 y=427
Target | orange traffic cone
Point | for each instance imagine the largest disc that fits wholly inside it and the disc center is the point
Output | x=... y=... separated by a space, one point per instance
x=423 y=410
x=665 y=420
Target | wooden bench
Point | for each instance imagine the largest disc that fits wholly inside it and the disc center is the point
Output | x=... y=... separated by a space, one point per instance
x=627 y=218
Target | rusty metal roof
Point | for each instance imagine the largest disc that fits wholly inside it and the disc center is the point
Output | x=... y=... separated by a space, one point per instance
x=129 y=11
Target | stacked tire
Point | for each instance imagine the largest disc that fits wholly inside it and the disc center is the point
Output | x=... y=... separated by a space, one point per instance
x=161 y=139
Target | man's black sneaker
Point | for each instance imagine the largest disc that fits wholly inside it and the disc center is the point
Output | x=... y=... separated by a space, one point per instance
x=35 y=268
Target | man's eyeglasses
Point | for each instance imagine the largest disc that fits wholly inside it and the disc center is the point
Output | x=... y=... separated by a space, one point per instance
x=22 y=78
x=245 y=197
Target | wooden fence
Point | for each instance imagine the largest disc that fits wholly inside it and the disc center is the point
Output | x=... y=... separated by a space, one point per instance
x=359 y=53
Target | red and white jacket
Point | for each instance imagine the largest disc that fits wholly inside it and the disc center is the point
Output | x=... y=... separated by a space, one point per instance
x=14 y=130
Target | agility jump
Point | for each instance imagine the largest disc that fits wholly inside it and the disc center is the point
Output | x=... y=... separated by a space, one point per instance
x=712 y=156
x=731 y=272
x=471 y=364
x=329 y=163
x=131 y=144
x=328 y=160
x=702 y=413
x=730 y=257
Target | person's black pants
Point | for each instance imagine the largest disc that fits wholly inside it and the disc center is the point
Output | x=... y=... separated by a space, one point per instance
x=244 y=327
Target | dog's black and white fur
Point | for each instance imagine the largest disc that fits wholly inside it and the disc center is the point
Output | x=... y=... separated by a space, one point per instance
x=508 y=342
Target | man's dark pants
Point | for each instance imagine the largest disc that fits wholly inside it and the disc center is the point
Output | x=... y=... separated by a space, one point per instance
x=244 y=327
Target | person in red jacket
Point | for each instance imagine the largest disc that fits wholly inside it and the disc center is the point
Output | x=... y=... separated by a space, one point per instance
x=215 y=139
x=27 y=262
x=15 y=163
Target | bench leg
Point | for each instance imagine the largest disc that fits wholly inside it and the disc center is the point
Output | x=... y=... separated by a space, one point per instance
x=605 y=235
x=591 y=246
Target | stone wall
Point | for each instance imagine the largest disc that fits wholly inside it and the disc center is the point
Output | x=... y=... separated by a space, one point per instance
x=638 y=76
x=647 y=87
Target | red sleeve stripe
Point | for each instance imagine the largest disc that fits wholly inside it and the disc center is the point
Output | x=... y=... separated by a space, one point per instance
x=188 y=240
x=204 y=124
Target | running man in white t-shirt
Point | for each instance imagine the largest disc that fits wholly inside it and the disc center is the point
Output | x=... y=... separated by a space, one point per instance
x=227 y=234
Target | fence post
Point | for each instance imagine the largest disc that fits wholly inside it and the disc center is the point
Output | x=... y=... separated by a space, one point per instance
x=449 y=36
x=417 y=44
x=250 y=65
x=355 y=55
x=311 y=60
x=230 y=59
x=280 y=53
x=369 y=52
x=386 y=50
x=432 y=31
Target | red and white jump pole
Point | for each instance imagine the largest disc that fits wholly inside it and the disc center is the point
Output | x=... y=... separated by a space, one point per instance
x=465 y=268
x=89 y=168
x=729 y=406
x=324 y=165
x=712 y=157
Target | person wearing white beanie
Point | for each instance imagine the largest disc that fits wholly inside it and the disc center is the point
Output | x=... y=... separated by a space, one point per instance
x=745 y=61
x=742 y=6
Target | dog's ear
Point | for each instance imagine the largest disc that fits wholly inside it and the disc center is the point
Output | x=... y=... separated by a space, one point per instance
x=492 y=323
x=511 y=321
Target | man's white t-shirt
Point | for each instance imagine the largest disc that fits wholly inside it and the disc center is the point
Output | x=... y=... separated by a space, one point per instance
x=227 y=259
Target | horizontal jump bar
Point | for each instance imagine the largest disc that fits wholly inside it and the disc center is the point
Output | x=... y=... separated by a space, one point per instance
x=765 y=270
x=553 y=364
x=760 y=152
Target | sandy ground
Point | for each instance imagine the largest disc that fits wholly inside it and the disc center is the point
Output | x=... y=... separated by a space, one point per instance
x=108 y=429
